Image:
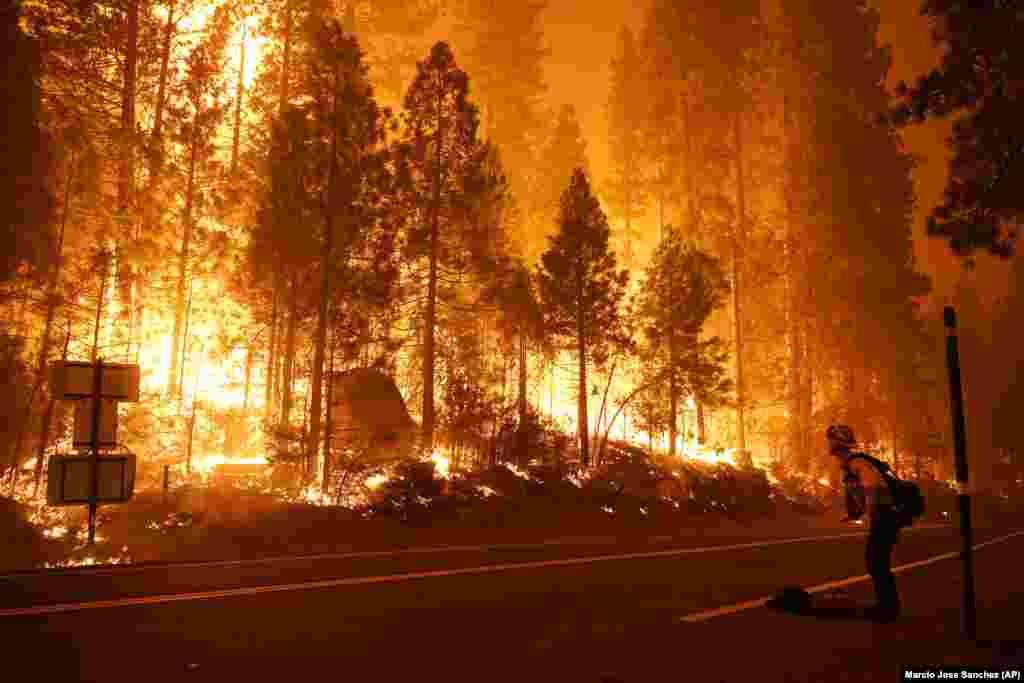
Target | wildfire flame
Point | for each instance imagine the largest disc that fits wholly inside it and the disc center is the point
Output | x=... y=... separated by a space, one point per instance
x=375 y=481
x=694 y=451
x=441 y=464
x=511 y=467
x=205 y=464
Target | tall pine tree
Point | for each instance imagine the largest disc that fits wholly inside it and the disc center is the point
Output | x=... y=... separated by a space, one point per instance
x=581 y=289
x=683 y=287
x=625 y=187
x=440 y=162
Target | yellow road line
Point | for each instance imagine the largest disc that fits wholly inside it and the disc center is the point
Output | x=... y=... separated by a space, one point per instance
x=698 y=617
x=396 y=578
x=121 y=569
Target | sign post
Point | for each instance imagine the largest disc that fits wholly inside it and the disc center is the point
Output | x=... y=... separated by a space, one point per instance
x=99 y=387
x=94 y=456
x=967 y=613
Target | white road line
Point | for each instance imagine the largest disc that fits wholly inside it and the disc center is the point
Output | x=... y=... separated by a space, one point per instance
x=397 y=578
x=698 y=617
x=121 y=569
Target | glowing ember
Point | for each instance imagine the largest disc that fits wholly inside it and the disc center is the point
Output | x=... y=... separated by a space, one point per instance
x=90 y=561
x=486 y=491
x=579 y=477
x=511 y=467
x=313 y=495
x=83 y=562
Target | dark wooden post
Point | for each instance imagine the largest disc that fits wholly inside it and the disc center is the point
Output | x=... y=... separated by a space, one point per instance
x=968 y=613
x=94 y=458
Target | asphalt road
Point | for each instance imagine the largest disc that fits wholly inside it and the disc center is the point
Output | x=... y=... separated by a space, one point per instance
x=547 y=611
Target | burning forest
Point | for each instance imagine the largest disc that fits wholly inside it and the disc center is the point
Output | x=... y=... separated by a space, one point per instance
x=375 y=269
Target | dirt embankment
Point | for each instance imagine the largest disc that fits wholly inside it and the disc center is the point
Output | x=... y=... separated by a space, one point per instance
x=210 y=523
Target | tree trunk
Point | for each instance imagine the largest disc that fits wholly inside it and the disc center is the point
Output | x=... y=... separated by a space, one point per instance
x=238 y=101
x=131 y=54
x=329 y=427
x=184 y=353
x=522 y=434
x=286 y=58
x=248 y=380
x=51 y=311
x=289 y=359
x=155 y=154
x=271 y=387
x=581 y=345
x=44 y=431
x=307 y=465
x=428 y=337
x=99 y=305
x=125 y=274
x=795 y=309
x=695 y=230
x=701 y=431
x=188 y=443
x=165 y=57
x=650 y=434
x=179 y=304
x=604 y=426
x=807 y=395
x=673 y=380
x=738 y=243
x=320 y=341
x=551 y=391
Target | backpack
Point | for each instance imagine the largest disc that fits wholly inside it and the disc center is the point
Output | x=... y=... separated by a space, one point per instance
x=907 y=496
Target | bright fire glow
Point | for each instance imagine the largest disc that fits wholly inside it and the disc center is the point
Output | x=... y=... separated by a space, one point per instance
x=254 y=45
x=441 y=464
x=511 y=467
x=375 y=481
x=205 y=464
x=693 y=451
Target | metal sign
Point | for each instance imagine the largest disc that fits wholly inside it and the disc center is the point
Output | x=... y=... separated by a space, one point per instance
x=83 y=423
x=68 y=480
x=70 y=380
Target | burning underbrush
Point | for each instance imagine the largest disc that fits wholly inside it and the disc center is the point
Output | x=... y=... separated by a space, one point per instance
x=431 y=503
x=34 y=535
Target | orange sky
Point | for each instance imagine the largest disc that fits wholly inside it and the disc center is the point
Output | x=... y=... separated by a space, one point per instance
x=582 y=39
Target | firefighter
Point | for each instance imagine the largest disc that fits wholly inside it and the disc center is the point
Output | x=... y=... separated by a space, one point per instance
x=868 y=494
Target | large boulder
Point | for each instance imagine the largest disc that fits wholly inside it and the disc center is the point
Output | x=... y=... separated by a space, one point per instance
x=370 y=416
